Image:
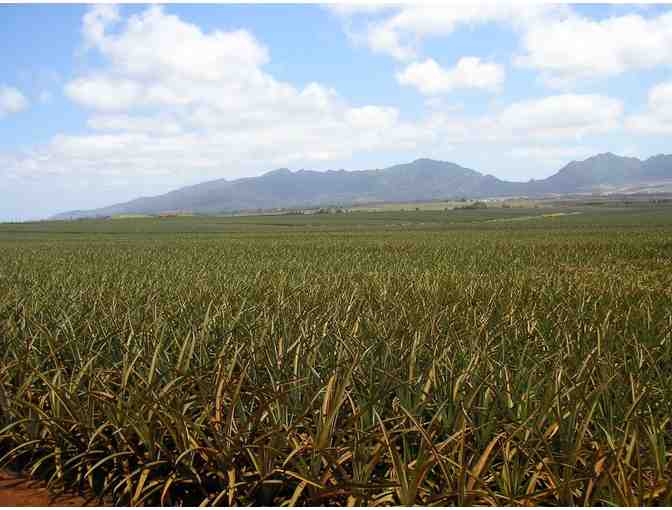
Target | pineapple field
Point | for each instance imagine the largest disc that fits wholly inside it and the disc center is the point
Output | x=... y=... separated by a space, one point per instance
x=473 y=357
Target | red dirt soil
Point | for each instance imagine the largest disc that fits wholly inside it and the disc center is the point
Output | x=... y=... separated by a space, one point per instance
x=17 y=490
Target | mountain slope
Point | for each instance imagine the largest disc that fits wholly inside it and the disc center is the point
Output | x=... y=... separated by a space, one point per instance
x=603 y=169
x=423 y=179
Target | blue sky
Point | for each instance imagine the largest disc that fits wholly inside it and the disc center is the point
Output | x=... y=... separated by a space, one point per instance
x=100 y=104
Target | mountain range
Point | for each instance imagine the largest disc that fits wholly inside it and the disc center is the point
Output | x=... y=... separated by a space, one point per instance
x=421 y=180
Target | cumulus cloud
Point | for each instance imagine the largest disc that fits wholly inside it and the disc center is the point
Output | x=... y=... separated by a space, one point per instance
x=400 y=34
x=563 y=115
x=372 y=117
x=104 y=93
x=469 y=72
x=96 y=21
x=158 y=44
x=172 y=96
x=564 y=46
x=576 y=47
x=657 y=119
x=11 y=100
x=158 y=124
x=157 y=109
x=558 y=117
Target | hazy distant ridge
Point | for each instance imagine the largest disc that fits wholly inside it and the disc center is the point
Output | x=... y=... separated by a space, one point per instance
x=423 y=179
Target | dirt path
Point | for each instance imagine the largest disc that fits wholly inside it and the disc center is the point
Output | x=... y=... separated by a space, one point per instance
x=16 y=490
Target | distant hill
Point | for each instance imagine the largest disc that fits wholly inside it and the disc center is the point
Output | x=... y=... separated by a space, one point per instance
x=606 y=171
x=423 y=179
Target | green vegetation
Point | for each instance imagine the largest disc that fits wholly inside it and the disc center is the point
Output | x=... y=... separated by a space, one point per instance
x=431 y=357
x=473 y=205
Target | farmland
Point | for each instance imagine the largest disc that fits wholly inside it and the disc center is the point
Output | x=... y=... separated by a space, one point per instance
x=473 y=357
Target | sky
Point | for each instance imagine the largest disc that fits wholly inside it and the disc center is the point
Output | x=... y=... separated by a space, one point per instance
x=104 y=103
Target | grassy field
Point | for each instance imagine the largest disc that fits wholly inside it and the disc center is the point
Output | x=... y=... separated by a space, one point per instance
x=475 y=357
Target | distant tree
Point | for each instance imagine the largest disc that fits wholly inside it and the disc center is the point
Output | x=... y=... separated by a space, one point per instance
x=474 y=205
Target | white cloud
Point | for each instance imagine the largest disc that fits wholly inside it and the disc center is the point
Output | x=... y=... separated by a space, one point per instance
x=11 y=100
x=563 y=115
x=400 y=34
x=126 y=123
x=469 y=72
x=657 y=119
x=104 y=93
x=660 y=99
x=555 y=40
x=372 y=117
x=158 y=44
x=172 y=93
x=559 y=117
x=96 y=21
x=383 y=40
x=577 y=48
x=648 y=124
x=179 y=119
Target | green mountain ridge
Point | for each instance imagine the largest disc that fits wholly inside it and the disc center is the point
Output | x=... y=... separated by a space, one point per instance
x=422 y=179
